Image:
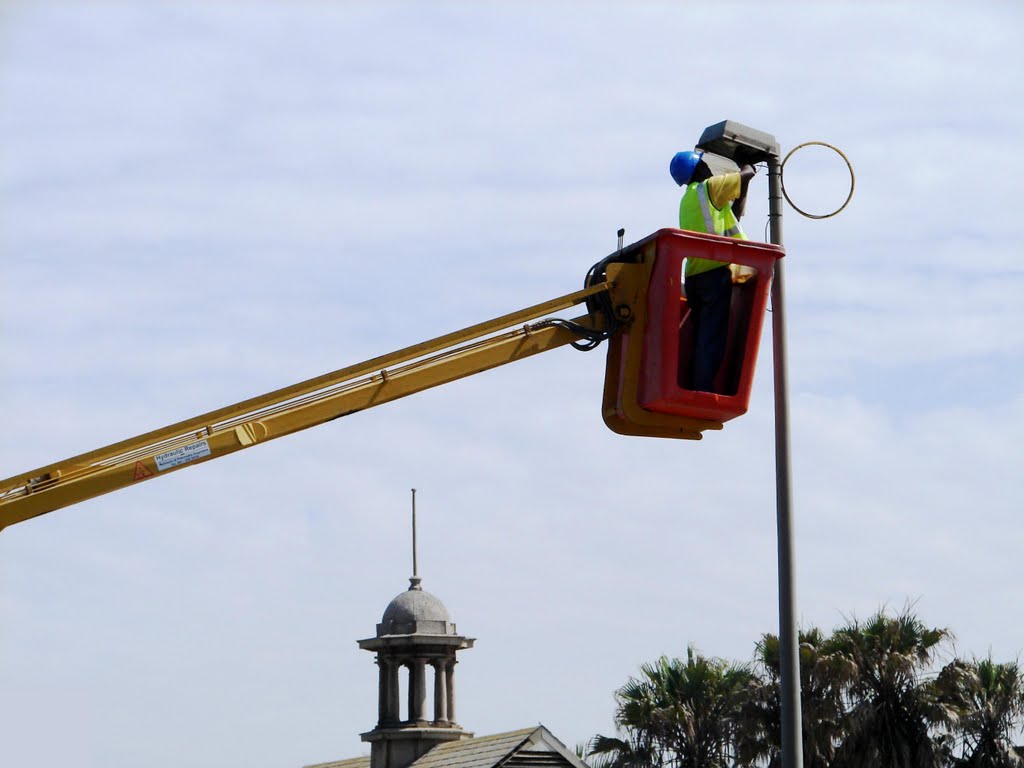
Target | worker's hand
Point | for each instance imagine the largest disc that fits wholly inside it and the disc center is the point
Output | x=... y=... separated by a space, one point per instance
x=749 y=168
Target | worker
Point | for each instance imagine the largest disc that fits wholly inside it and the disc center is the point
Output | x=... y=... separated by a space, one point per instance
x=711 y=204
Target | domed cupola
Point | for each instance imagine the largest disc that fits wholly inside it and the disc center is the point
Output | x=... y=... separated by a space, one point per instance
x=415 y=632
x=415 y=611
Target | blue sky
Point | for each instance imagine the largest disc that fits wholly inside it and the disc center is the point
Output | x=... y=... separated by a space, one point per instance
x=202 y=202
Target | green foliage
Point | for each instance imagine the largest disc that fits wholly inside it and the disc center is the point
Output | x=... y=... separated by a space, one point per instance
x=678 y=714
x=821 y=675
x=989 y=698
x=869 y=697
x=892 y=709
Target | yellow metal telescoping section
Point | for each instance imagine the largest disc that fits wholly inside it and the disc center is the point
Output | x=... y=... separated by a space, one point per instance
x=316 y=401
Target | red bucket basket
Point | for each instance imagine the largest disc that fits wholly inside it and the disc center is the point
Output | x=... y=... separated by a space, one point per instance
x=667 y=338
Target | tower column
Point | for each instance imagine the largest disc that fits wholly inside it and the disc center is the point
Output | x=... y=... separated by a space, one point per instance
x=394 y=695
x=383 y=691
x=417 y=690
x=450 y=686
x=440 y=690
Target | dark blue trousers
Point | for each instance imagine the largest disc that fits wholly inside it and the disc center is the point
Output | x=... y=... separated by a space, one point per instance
x=708 y=295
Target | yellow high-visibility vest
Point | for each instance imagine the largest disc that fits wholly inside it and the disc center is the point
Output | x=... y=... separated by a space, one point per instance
x=698 y=214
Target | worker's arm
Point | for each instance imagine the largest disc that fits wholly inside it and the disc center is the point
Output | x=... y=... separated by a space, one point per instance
x=747 y=172
x=731 y=188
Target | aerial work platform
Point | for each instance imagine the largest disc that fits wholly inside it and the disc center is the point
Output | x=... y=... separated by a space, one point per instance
x=634 y=301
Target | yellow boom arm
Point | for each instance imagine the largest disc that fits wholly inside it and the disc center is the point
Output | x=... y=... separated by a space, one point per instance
x=300 y=406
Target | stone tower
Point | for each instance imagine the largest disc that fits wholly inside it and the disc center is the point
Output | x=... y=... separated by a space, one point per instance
x=416 y=633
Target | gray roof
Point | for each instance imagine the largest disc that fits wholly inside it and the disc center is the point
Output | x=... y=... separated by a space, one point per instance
x=481 y=752
x=486 y=752
x=355 y=762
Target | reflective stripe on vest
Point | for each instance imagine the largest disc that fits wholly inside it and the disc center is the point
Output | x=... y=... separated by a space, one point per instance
x=705 y=209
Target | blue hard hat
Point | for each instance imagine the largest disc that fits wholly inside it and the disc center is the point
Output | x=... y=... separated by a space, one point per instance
x=683 y=165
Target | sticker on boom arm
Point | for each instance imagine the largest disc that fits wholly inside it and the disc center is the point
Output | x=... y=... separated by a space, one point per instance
x=183 y=455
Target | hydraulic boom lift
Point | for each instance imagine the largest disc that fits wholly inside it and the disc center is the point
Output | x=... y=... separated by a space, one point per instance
x=633 y=298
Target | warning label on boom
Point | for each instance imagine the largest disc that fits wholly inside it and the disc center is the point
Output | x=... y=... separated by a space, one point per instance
x=183 y=455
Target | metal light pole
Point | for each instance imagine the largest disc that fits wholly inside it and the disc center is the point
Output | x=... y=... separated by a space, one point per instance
x=746 y=145
x=789 y=640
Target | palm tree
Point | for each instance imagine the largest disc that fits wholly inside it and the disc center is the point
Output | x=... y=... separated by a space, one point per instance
x=676 y=715
x=637 y=703
x=822 y=676
x=990 y=700
x=610 y=752
x=891 y=708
